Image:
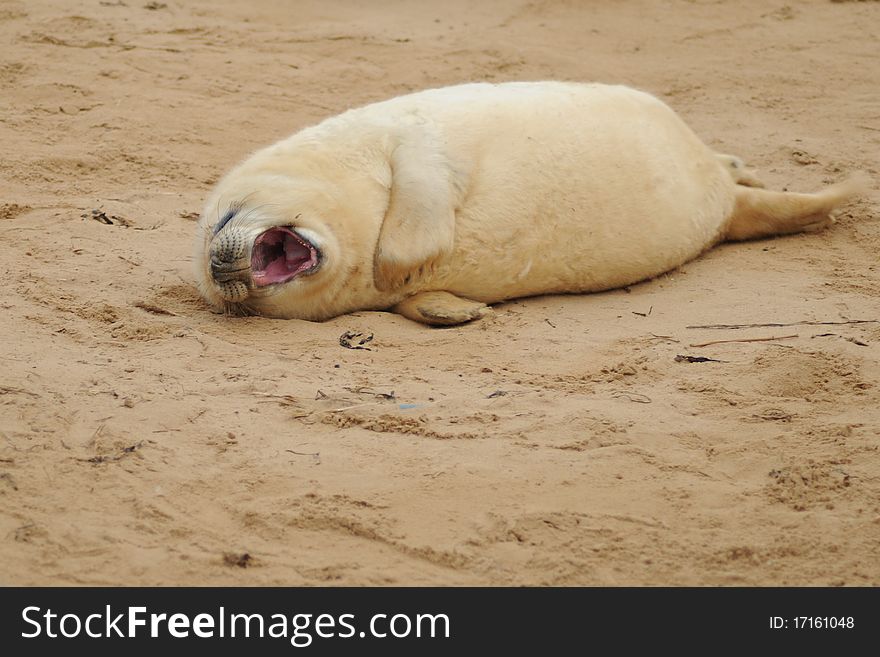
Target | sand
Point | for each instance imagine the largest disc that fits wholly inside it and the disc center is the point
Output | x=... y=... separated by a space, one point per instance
x=146 y=441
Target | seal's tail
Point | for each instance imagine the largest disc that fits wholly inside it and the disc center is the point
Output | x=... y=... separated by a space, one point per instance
x=762 y=213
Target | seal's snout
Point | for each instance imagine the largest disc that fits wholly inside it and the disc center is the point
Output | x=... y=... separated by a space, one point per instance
x=230 y=265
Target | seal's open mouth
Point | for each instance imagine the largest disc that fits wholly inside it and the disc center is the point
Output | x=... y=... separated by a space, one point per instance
x=280 y=255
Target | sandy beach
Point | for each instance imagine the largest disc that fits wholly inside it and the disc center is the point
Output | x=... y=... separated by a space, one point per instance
x=568 y=440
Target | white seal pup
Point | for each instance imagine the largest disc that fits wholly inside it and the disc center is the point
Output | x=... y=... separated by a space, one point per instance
x=437 y=203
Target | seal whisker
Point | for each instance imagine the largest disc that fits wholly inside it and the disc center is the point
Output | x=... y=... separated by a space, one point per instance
x=237 y=309
x=240 y=219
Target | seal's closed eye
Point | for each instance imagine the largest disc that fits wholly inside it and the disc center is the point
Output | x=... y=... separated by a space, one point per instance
x=225 y=220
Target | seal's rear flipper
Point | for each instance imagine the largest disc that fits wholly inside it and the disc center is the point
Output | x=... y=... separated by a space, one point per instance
x=762 y=213
x=441 y=309
x=737 y=169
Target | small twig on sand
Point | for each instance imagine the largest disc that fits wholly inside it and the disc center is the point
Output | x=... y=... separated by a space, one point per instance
x=365 y=390
x=853 y=340
x=105 y=458
x=776 y=325
x=696 y=359
x=150 y=308
x=772 y=337
x=284 y=400
x=346 y=338
x=315 y=455
x=632 y=396
x=4 y=390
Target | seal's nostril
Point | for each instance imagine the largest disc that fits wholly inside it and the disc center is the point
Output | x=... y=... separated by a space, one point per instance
x=229 y=270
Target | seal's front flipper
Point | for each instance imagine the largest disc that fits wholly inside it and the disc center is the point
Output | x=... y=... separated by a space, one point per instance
x=419 y=225
x=441 y=309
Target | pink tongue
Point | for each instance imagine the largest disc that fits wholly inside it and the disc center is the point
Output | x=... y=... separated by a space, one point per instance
x=280 y=254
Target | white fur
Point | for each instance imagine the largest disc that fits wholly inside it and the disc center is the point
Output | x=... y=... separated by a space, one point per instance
x=485 y=191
